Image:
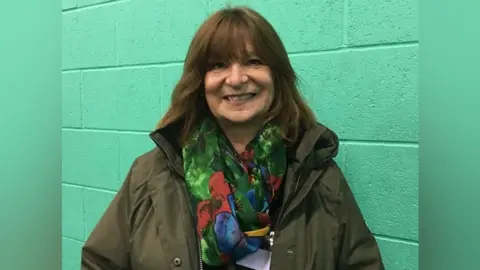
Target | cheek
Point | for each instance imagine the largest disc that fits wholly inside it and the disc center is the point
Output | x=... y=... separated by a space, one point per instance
x=264 y=79
x=212 y=83
x=212 y=86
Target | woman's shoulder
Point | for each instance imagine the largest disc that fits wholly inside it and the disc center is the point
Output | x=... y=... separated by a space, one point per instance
x=332 y=178
x=147 y=167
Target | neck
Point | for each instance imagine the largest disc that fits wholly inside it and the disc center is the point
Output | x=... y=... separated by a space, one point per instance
x=240 y=135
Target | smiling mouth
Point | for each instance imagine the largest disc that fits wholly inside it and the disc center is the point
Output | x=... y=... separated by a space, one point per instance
x=242 y=97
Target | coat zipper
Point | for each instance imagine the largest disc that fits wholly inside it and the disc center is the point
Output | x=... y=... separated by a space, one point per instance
x=200 y=254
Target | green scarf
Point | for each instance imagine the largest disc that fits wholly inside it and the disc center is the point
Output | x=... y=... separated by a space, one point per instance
x=231 y=194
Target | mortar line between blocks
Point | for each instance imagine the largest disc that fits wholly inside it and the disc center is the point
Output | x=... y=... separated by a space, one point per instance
x=126 y=66
x=85 y=236
x=396 y=239
x=345 y=23
x=82 y=125
x=379 y=142
x=92 y=6
x=357 y=48
x=73 y=239
x=87 y=187
x=126 y=131
x=162 y=91
x=115 y=38
x=119 y=177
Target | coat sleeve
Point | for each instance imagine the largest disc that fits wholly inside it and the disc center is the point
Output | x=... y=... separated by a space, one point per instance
x=359 y=248
x=107 y=247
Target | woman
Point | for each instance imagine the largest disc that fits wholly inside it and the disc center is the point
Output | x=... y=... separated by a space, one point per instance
x=243 y=176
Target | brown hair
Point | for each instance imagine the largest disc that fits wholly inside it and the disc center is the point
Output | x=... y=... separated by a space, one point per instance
x=224 y=35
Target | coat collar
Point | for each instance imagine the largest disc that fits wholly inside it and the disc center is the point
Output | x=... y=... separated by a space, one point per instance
x=314 y=146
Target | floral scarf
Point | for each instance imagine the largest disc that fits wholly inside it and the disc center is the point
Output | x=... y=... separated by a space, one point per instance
x=231 y=194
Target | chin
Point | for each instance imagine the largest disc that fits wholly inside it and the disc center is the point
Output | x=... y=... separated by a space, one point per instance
x=240 y=118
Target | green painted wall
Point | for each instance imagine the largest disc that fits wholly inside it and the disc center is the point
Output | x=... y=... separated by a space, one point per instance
x=357 y=60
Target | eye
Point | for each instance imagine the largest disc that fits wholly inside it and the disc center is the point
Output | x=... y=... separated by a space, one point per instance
x=216 y=65
x=254 y=62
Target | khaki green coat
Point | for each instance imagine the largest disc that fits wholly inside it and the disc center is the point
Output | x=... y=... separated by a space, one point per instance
x=148 y=225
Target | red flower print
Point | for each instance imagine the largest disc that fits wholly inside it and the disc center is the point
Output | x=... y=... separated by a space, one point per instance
x=204 y=215
x=208 y=209
x=219 y=190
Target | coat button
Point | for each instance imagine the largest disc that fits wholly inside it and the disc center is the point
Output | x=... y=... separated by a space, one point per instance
x=177 y=261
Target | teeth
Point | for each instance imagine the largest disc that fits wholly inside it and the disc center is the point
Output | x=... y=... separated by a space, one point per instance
x=241 y=97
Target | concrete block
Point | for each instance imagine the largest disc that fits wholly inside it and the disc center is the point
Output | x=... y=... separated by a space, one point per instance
x=71 y=254
x=398 y=255
x=170 y=76
x=130 y=147
x=369 y=94
x=384 y=179
x=90 y=158
x=72 y=212
x=88 y=38
x=125 y=99
x=69 y=4
x=380 y=21
x=153 y=31
x=302 y=25
x=96 y=202
x=71 y=100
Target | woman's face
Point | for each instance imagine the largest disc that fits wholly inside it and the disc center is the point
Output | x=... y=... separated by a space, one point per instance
x=239 y=91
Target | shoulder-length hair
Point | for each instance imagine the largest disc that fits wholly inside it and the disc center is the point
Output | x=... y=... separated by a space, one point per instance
x=224 y=35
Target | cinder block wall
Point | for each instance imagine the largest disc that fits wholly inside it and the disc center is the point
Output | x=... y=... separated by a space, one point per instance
x=357 y=60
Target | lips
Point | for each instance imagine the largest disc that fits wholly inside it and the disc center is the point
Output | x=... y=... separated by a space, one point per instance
x=241 y=97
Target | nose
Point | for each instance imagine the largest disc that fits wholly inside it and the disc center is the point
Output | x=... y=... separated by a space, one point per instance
x=236 y=76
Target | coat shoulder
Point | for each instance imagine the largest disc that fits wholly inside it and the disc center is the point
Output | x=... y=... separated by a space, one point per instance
x=146 y=167
x=332 y=178
x=333 y=187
